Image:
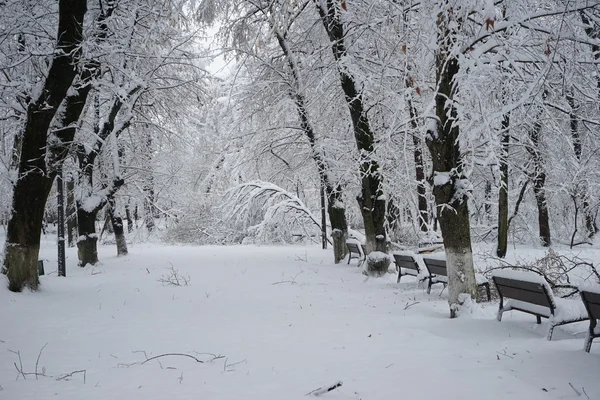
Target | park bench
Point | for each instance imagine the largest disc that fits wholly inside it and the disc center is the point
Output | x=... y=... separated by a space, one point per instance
x=438 y=273
x=530 y=293
x=590 y=295
x=407 y=265
x=356 y=250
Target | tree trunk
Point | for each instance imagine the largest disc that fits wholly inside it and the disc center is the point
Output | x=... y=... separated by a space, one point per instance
x=117 y=226
x=128 y=219
x=592 y=29
x=71 y=212
x=450 y=185
x=335 y=202
x=35 y=180
x=148 y=188
x=539 y=182
x=419 y=166
x=337 y=218
x=87 y=250
x=582 y=188
x=503 y=191
x=371 y=200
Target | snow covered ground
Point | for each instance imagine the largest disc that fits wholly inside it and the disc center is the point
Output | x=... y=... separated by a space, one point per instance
x=278 y=322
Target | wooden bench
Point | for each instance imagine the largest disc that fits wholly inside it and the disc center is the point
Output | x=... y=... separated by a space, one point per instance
x=407 y=265
x=530 y=293
x=591 y=300
x=438 y=273
x=358 y=250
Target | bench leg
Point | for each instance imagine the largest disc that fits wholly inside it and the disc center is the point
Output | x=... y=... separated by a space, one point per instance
x=399 y=276
x=349 y=258
x=499 y=315
x=487 y=291
x=587 y=345
x=429 y=286
x=538 y=319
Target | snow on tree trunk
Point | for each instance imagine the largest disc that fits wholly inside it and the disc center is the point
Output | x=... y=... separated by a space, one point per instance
x=538 y=176
x=71 y=212
x=419 y=164
x=87 y=242
x=503 y=191
x=33 y=185
x=117 y=226
x=335 y=202
x=371 y=200
x=339 y=227
x=450 y=187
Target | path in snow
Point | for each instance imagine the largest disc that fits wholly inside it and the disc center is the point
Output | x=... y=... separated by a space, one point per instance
x=286 y=320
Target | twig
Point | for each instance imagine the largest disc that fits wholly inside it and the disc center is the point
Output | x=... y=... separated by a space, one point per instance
x=38 y=360
x=410 y=305
x=18 y=353
x=325 y=389
x=586 y=395
x=173 y=354
x=214 y=356
x=226 y=367
x=60 y=378
x=575 y=390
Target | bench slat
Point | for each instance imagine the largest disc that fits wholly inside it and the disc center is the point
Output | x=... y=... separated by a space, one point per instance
x=436 y=267
x=591 y=297
x=406 y=262
x=540 y=299
x=521 y=285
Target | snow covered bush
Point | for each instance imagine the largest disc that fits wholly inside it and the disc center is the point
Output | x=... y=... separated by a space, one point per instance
x=377 y=264
x=268 y=213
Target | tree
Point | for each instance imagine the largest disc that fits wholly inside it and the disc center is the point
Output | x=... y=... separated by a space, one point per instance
x=450 y=185
x=35 y=177
x=371 y=200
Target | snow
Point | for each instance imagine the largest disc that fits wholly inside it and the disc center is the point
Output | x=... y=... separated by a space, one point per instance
x=591 y=287
x=286 y=321
x=527 y=276
x=377 y=256
x=441 y=178
x=566 y=309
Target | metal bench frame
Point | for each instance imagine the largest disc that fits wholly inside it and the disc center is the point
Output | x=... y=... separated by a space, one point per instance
x=438 y=268
x=359 y=251
x=528 y=292
x=408 y=263
x=591 y=301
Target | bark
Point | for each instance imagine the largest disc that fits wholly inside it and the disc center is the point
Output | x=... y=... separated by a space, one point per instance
x=538 y=178
x=371 y=200
x=87 y=241
x=503 y=191
x=335 y=204
x=148 y=188
x=449 y=190
x=71 y=212
x=128 y=219
x=419 y=167
x=582 y=191
x=117 y=226
x=35 y=179
x=87 y=250
x=592 y=30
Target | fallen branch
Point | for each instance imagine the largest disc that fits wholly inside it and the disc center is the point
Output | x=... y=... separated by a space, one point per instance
x=325 y=389
x=410 y=305
x=229 y=367
x=38 y=360
x=20 y=371
x=173 y=354
x=65 y=376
